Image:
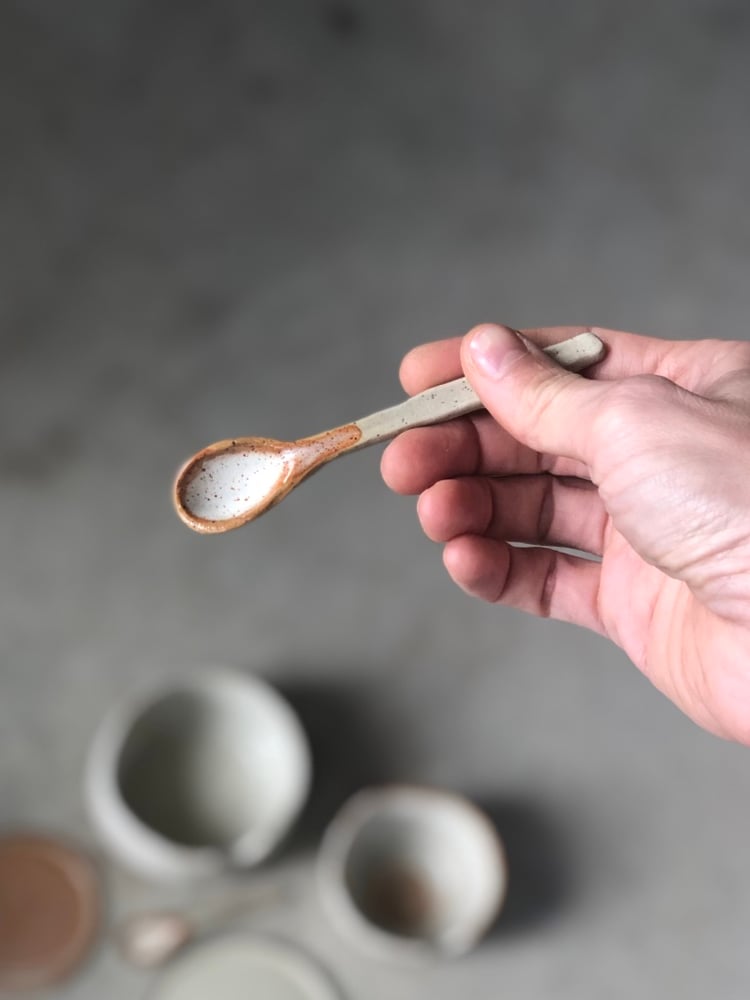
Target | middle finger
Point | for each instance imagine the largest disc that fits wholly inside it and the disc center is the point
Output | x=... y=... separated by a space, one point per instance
x=538 y=510
x=471 y=446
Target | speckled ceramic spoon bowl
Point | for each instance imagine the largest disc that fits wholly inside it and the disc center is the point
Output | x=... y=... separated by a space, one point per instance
x=232 y=482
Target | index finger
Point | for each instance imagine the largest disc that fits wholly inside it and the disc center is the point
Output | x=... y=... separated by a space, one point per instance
x=627 y=354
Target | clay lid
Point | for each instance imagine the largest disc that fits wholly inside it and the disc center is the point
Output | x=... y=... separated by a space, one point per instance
x=49 y=910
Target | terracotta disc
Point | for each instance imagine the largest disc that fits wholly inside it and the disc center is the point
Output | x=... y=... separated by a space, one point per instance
x=49 y=911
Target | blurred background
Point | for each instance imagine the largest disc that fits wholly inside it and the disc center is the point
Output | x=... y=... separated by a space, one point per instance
x=234 y=218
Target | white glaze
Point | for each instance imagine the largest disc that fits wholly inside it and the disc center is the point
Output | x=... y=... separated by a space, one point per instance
x=205 y=774
x=412 y=839
x=241 y=479
x=228 y=484
x=244 y=967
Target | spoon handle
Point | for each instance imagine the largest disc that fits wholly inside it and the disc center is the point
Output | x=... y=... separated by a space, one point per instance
x=457 y=398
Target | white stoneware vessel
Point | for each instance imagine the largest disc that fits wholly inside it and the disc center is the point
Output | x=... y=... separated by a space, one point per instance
x=205 y=774
x=410 y=873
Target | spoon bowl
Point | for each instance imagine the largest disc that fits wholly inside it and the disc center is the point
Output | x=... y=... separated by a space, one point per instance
x=232 y=482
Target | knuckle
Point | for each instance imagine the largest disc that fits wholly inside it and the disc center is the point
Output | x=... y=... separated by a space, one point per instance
x=627 y=403
x=546 y=509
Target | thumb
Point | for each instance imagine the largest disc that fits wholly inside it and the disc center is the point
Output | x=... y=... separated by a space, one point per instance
x=541 y=404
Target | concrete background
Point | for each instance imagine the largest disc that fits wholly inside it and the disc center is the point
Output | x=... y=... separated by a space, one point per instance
x=232 y=218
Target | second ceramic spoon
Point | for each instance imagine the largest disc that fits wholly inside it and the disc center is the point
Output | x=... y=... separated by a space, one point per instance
x=232 y=482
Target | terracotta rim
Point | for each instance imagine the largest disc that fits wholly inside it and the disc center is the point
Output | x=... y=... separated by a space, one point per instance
x=71 y=871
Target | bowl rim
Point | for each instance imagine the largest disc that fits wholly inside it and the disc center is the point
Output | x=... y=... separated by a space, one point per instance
x=339 y=839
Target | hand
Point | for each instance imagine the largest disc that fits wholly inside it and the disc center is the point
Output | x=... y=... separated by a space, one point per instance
x=645 y=463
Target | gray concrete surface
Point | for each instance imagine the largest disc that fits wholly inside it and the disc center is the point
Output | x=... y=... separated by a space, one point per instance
x=232 y=218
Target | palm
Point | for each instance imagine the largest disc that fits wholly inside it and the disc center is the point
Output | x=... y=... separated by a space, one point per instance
x=672 y=637
x=643 y=610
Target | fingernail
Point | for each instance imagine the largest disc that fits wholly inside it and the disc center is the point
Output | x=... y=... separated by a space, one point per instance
x=494 y=349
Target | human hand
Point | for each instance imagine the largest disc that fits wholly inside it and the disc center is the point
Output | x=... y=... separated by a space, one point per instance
x=646 y=464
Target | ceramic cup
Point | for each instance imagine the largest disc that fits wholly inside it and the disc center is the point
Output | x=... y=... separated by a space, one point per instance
x=412 y=872
x=206 y=774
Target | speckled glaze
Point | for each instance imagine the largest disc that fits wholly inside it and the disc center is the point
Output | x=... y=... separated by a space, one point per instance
x=232 y=482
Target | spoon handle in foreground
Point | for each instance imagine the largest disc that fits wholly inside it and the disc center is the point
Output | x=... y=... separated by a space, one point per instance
x=457 y=398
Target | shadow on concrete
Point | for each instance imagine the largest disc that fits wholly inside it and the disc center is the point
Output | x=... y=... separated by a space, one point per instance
x=540 y=876
x=352 y=749
x=349 y=748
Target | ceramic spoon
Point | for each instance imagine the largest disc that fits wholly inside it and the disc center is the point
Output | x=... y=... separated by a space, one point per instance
x=151 y=938
x=232 y=482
